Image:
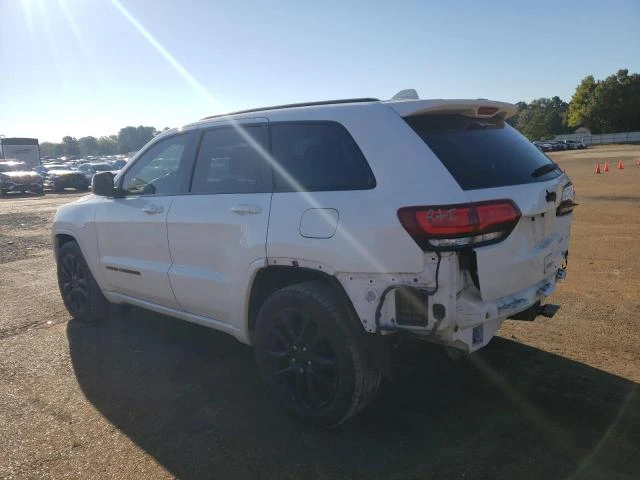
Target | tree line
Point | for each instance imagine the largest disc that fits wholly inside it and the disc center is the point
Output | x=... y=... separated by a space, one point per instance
x=128 y=139
x=602 y=106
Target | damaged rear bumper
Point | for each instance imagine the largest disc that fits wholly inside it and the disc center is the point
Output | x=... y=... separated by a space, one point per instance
x=451 y=313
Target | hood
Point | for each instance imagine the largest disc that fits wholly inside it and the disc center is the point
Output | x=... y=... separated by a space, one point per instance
x=64 y=172
x=23 y=174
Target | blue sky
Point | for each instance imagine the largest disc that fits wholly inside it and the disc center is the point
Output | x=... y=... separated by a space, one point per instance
x=73 y=67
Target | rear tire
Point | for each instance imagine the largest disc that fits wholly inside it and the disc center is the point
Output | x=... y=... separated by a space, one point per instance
x=80 y=293
x=312 y=356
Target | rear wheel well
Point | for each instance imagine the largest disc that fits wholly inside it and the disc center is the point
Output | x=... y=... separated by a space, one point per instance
x=61 y=239
x=270 y=279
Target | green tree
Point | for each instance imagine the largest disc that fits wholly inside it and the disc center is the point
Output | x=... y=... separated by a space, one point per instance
x=88 y=146
x=581 y=103
x=542 y=118
x=71 y=146
x=131 y=139
x=513 y=121
x=47 y=149
x=607 y=106
x=107 y=145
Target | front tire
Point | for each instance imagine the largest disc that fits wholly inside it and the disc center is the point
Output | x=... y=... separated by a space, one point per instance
x=80 y=293
x=312 y=356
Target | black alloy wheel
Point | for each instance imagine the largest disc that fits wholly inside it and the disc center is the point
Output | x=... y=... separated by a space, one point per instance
x=73 y=284
x=301 y=359
x=311 y=352
x=80 y=293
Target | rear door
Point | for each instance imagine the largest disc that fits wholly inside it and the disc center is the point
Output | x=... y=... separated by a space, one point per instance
x=217 y=233
x=491 y=160
x=132 y=231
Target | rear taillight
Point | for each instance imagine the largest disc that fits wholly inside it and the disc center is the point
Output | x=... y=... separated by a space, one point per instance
x=449 y=227
x=567 y=201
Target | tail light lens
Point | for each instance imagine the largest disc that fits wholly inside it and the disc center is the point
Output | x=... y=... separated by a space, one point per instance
x=567 y=202
x=450 y=227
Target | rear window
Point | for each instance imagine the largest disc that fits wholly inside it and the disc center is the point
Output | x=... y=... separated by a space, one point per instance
x=481 y=153
x=317 y=156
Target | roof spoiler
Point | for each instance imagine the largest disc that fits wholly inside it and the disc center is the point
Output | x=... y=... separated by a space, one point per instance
x=478 y=108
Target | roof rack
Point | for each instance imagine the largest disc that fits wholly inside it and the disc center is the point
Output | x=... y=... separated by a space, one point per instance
x=293 y=105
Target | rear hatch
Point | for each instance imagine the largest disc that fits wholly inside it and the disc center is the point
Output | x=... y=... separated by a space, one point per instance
x=491 y=161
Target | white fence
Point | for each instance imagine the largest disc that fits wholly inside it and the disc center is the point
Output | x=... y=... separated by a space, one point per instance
x=602 y=139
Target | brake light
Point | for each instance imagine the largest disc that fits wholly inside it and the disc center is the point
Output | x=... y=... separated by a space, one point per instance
x=448 y=227
x=487 y=111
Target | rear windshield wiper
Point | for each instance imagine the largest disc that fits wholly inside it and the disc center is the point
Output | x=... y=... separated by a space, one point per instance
x=549 y=167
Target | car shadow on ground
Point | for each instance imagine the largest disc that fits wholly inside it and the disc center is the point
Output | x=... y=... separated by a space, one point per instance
x=191 y=398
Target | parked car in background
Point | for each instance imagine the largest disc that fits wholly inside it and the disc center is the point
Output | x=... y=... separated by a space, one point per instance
x=558 y=145
x=58 y=177
x=543 y=146
x=90 y=169
x=118 y=164
x=575 y=144
x=18 y=177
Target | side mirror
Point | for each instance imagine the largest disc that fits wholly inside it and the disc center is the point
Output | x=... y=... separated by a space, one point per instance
x=102 y=184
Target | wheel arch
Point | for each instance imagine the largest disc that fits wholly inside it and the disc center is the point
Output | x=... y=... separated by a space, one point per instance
x=90 y=254
x=269 y=279
x=59 y=240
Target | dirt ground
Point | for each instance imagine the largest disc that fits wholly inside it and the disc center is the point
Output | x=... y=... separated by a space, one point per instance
x=146 y=396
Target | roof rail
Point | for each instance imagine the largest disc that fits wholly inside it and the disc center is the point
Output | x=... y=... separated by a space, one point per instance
x=293 y=105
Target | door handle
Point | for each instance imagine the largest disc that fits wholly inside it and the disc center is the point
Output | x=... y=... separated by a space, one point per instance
x=153 y=209
x=246 y=209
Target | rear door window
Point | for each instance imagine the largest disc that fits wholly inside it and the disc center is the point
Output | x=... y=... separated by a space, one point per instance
x=318 y=156
x=482 y=153
x=233 y=161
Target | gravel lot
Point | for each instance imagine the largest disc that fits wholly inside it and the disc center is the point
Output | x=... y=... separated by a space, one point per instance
x=146 y=396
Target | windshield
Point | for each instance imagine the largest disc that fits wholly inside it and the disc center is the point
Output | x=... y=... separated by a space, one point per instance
x=482 y=153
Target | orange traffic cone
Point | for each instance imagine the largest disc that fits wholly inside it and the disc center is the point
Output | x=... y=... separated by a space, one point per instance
x=620 y=166
x=606 y=167
x=597 y=168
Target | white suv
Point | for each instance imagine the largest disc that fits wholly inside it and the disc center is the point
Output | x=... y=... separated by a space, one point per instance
x=319 y=232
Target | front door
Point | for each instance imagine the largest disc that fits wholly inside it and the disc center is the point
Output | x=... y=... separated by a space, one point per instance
x=132 y=231
x=217 y=233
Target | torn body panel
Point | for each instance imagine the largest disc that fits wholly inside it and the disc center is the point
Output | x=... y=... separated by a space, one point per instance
x=449 y=311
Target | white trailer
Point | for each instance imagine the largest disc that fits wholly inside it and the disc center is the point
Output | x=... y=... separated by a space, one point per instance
x=22 y=149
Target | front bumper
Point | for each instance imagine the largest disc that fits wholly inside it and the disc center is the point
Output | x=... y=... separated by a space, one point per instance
x=21 y=187
x=76 y=182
